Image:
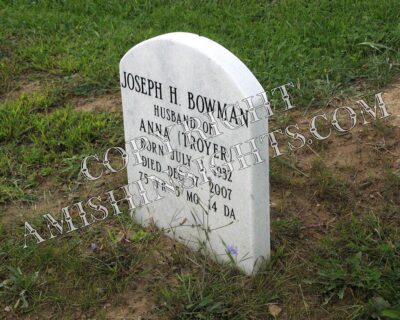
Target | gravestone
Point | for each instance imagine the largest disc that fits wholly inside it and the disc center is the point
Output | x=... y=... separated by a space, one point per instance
x=166 y=82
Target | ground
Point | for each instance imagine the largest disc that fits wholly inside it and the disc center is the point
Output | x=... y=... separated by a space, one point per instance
x=300 y=215
x=334 y=204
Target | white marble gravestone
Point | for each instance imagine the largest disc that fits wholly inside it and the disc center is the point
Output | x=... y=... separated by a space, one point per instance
x=167 y=80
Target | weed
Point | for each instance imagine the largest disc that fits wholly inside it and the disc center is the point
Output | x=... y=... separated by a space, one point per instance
x=18 y=287
x=360 y=258
x=329 y=188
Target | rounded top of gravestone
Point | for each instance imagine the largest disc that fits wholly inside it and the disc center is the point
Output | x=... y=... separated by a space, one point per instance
x=246 y=82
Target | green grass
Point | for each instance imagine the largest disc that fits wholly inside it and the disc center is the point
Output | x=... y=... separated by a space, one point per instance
x=360 y=258
x=324 y=46
x=39 y=138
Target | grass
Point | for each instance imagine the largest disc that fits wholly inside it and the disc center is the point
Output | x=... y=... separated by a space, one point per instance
x=344 y=265
x=325 y=47
x=38 y=140
x=361 y=258
x=62 y=268
x=329 y=189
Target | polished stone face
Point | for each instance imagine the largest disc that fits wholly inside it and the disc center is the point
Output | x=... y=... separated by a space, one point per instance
x=169 y=84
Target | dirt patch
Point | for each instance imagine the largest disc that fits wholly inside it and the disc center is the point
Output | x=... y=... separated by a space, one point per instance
x=139 y=301
x=359 y=158
x=137 y=305
x=110 y=102
x=392 y=98
x=24 y=87
x=50 y=198
x=105 y=103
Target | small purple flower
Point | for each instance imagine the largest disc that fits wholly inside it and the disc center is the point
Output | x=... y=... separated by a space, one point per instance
x=93 y=246
x=232 y=250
